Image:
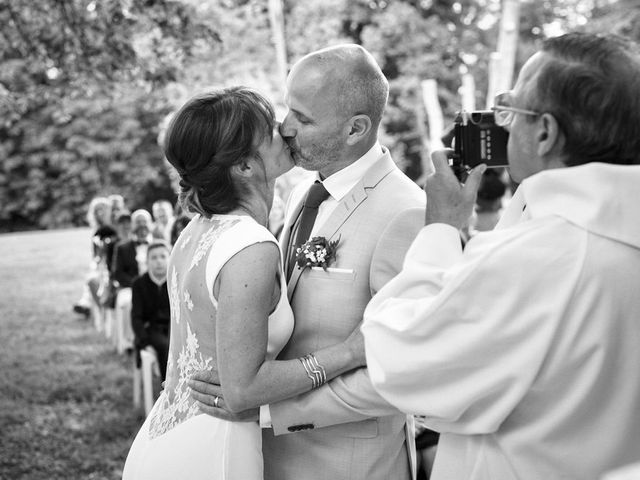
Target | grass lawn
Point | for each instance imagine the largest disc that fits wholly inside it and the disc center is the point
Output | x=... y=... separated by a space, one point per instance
x=65 y=395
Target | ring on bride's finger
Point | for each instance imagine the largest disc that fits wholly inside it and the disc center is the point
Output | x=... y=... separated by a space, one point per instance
x=216 y=401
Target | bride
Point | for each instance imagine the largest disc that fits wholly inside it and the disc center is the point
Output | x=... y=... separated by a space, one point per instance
x=229 y=309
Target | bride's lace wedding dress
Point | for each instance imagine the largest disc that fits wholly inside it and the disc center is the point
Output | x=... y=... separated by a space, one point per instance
x=177 y=441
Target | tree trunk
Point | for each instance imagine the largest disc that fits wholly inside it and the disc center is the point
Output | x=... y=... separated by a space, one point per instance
x=277 y=26
x=502 y=64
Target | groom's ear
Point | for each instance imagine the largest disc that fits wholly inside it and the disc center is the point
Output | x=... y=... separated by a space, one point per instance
x=359 y=128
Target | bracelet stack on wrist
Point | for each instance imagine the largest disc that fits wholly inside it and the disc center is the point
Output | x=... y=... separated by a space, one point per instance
x=314 y=370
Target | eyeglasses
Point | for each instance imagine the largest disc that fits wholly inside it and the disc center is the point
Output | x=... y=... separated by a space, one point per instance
x=504 y=113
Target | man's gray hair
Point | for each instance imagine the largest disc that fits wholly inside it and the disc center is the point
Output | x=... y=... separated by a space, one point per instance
x=590 y=85
x=141 y=212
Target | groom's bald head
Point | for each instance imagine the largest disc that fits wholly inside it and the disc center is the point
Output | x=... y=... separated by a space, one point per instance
x=351 y=76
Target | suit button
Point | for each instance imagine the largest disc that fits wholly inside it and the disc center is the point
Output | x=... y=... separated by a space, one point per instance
x=304 y=426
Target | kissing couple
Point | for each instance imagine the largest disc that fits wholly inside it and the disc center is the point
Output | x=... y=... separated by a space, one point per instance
x=266 y=374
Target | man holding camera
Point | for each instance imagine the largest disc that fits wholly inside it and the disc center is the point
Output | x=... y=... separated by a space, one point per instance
x=523 y=349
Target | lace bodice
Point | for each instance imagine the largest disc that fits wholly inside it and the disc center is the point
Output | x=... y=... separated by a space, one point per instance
x=203 y=248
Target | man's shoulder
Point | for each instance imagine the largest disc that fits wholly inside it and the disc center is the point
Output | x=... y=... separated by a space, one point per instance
x=396 y=191
x=141 y=280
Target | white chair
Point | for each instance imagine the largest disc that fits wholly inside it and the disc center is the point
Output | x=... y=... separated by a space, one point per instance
x=98 y=286
x=143 y=379
x=98 y=313
x=109 y=321
x=122 y=331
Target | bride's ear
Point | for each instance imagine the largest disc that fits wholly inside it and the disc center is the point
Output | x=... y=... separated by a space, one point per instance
x=244 y=168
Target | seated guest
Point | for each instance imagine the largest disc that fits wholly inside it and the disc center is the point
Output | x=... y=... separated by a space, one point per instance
x=118 y=207
x=522 y=350
x=131 y=255
x=103 y=240
x=103 y=233
x=123 y=233
x=163 y=218
x=150 y=313
x=109 y=289
x=130 y=260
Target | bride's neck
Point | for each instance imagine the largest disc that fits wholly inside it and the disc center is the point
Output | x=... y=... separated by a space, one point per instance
x=256 y=204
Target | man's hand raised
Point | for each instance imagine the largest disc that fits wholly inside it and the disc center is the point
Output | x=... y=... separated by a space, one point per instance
x=449 y=201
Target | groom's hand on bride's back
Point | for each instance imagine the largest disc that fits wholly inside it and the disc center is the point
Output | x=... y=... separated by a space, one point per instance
x=205 y=389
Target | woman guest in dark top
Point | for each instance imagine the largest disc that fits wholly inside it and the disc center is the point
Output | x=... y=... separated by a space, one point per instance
x=150 y=312
x=98 y=217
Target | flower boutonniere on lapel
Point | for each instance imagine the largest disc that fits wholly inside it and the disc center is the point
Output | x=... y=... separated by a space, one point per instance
x=317 y=252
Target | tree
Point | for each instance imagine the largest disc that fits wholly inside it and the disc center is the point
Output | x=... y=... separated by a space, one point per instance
x=81 y=87
x=85 y=85
x=436 y=39
x=412 y=41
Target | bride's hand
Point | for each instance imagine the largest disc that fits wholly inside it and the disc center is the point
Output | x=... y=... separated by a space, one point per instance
x=206 y=391
x=252 y=415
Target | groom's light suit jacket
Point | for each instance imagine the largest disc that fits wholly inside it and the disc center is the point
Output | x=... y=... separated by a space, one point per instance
x=345 y=430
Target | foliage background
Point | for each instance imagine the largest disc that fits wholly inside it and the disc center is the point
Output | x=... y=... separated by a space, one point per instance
x=86 y=85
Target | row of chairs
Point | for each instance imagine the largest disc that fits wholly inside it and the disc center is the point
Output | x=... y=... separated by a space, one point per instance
x=116 y=325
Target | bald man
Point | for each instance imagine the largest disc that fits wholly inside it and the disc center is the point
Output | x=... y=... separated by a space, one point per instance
x=342 y=429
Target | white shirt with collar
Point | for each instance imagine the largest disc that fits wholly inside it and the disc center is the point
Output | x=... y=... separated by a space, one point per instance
x=141 y=254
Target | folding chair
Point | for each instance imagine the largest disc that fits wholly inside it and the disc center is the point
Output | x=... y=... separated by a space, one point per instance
x=143 y=378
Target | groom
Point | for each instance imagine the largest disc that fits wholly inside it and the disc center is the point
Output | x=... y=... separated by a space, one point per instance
x=344 y=429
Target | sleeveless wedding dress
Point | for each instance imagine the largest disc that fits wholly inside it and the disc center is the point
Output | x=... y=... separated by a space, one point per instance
x=178 y=441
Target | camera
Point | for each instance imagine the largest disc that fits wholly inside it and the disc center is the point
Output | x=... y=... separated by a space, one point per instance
x=477 y=139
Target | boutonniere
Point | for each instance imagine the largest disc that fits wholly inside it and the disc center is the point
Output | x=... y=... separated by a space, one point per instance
x=317 y=252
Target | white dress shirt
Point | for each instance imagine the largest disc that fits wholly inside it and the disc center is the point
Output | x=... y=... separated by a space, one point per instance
x=523 y=351
x=141 y=254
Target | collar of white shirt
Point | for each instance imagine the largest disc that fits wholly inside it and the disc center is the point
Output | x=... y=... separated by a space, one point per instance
x=341 y=182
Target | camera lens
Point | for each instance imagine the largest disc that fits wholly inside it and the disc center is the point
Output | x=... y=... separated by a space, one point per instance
x=476 y=117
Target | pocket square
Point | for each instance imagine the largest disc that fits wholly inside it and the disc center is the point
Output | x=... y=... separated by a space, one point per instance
x=333 y=270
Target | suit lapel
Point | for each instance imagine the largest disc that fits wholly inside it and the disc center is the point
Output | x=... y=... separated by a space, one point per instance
x=293 y=281
x=285 y=237
x=349 y=203
x=343 y=211
x=132 y=252
x=358 y=194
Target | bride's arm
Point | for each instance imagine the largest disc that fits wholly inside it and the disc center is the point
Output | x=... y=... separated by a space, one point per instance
x=245 y=297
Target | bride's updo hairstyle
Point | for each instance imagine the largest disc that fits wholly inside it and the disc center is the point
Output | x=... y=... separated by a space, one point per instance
x=210 y=134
